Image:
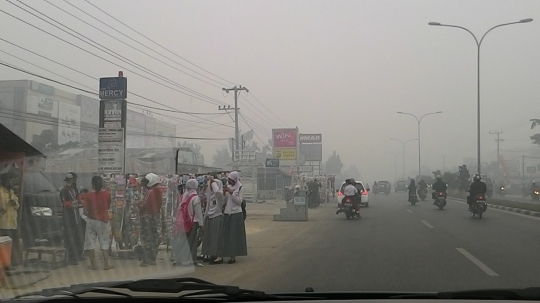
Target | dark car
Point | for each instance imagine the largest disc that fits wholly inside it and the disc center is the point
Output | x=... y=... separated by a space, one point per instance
x=401 y=186
x=383 y=187
x=41 y=210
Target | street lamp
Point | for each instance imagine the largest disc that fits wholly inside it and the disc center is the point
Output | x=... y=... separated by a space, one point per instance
x=395 y=163
x=478 y=44
x=419 y=120
x=403 y=143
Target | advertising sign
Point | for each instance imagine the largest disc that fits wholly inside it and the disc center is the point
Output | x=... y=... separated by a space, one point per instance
x=272 y=162
x=89 y=110
x=43 y=106
x=113 y=113
x=285 y=153
x=284 y=137
x=89 y=136
x=114 y=88
x=305 y=168
x=69 y=123
x=310 y=138
x=111 y=150
x=311 y=152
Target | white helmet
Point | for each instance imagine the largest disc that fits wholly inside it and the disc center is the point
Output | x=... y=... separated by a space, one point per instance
x=477 y=177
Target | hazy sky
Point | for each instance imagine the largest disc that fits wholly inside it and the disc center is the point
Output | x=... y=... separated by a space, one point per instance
x=341 y=68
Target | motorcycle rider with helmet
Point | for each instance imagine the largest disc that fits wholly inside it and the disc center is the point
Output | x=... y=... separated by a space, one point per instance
x=533 y=187
x=478 y=187
x=412 y=191
x=438 y=186
x=351 y=191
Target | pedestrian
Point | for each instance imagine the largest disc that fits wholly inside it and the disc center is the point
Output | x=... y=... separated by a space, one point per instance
x=213 y=219
x=188 y=219
x=96 y=206
x=150 y=214
x=9 y=206
x=81 y=225
x=71 y=220
x=233 y=232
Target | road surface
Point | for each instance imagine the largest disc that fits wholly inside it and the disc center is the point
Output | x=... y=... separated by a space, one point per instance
x=394 y=247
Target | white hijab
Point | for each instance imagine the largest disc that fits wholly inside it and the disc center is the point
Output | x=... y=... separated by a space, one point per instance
x=191 y=188
x=235 y=177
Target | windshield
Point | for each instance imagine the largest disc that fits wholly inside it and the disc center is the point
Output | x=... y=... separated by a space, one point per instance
x=212 y=139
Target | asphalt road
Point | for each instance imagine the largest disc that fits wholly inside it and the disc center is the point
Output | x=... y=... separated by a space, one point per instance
x=398 y=247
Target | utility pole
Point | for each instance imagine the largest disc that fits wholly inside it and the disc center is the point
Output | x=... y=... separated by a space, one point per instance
x=498 y=140
x=237 y=90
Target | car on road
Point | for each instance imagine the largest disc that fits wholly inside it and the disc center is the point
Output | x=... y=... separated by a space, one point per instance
x=361 y=188
x=401 y=186
x=383 y=187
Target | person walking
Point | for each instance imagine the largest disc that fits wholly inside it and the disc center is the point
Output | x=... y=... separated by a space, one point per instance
x=71 y=220
x=213 y=219
x=9 y=206
x=233 y=232
x=96 y=206
x=81 y=225
x=187 y=221
x=150 y=216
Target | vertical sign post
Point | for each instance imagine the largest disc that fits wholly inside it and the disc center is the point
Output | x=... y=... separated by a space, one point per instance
x=112 y=125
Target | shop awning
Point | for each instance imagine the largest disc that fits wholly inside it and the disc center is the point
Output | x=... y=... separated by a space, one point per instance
x=9 y=141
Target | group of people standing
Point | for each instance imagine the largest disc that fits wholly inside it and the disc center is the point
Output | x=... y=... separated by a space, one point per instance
x=219 y=224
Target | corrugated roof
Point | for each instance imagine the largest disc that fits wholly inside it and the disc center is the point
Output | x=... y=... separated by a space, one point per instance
x=13 y=143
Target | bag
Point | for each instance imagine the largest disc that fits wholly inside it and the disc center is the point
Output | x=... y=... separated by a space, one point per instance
x=183 y=222
x=243 y=205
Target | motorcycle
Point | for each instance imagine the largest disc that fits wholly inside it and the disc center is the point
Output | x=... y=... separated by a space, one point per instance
x=535 y=195
x=440 y=200
x=479 y=206
x=413 y=198
x=422 y=193
x=346 y=207
x=502 y=192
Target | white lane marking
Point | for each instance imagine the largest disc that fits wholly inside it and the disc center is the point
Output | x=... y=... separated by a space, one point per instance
x=409 y=211
x=478 y=263
x=504 y=211
x=427 y=224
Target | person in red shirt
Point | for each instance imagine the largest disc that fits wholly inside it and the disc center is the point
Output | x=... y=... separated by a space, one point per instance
x=150 y=214
x=96 y=206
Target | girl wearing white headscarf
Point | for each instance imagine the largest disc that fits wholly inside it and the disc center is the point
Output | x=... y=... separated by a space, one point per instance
x=213 y=219
x=150 y=216
x=232 y=242
x=184 y=244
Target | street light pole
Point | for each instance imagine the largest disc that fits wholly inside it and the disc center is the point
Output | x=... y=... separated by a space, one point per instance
x=478 y=44
x=403 y=145
x=418 y=120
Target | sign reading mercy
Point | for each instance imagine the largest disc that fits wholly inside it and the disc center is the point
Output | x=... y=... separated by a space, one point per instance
x=113 y=88
x=284 y=137
x=310 y=138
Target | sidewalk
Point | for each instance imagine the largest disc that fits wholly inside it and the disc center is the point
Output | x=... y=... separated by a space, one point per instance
x=264 y=237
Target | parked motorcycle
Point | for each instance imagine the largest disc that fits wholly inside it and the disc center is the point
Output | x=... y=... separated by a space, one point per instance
x=479 y=206
x=346 y=207
x=422 y=193
x=440 y=200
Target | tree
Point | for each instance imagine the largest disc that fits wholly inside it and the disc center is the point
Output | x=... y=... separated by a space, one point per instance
x=222 y=157
x=333 y=164
x=352 y=172
x=464 y=177
x=46 y=141
x=451 y=179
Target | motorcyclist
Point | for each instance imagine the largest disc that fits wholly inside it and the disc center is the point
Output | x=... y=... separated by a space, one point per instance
x=375 y=186
x=477 y=188
x=351 y=191
x=314 y=198
x=412 y=190
x=438 y=186
x=422 y=186
x=533 y=187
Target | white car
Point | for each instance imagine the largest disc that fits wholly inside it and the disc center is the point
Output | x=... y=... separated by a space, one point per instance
x=361 y=188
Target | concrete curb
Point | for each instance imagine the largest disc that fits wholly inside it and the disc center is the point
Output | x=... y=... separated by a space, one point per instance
x=506 y=208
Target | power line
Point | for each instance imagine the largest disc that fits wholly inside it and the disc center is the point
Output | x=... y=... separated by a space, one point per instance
x=260 y=140
x=163 y=47
x=104 y=32
x=102 y=58
x=279 y=118
x=116 y=55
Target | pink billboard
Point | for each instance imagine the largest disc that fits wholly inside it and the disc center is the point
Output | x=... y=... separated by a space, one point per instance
x=284 y=137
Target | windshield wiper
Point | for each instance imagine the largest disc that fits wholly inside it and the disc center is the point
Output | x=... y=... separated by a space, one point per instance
x=169 y=286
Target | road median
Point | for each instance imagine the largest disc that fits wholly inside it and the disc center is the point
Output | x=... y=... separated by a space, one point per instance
x=509 y=205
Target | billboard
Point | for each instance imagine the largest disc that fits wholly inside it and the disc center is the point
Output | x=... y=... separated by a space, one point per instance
x=285 y=154
x=69 y=123
x=113 y=113
x=89 y=110
x=311 y=152
x=310 y=138
x=42 y=106
x=284 y=137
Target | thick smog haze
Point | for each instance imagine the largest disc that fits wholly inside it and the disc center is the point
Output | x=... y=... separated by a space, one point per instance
x=340 y=68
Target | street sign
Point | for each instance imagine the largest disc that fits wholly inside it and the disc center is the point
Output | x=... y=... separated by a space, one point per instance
x=310 y=138
x=272 y=162
x=114 y=88
x=531 y=170
x=244 y=155
x=305 y=168
x=111 y=150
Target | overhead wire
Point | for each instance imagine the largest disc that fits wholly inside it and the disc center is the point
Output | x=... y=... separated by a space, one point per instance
x=151 y=40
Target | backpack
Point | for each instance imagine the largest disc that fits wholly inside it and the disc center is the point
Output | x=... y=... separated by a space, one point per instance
x=183 y=222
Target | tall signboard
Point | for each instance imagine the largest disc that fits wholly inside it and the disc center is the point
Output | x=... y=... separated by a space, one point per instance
x=285 y=141
x=112 y=124
x=310 y=147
